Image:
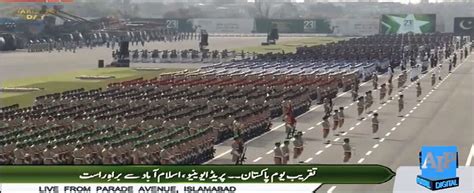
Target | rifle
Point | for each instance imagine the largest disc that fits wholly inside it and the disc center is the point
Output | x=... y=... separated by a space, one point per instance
x=242 y=158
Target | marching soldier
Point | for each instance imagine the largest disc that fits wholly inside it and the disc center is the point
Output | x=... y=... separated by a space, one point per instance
x=298 y=145
x=48 y=155
x=138 y=156
x=326 y=127
x=356 y=84
x=19 y=154
x=278 y=154
x=400 y=81
x=455 y=57
x=286 y=152
x=375 y=126
x=375 y=81
x=400 y=105
x=347 y=150
x=390 y=74
x=439 y=68
x=336 y=120
x=290 y=125
x=450 y=65
x=368 y=102
x=383 y=92
x=405 y=76
x=327 y=106
x=433 y=79
x=360 y=108
x=106 y=154
x=236 y=152
x=79 y=154
x=354 y=93
x=418 y=91
x=390 y=90
x=341 y=118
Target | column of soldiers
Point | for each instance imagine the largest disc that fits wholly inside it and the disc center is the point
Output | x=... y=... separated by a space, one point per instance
x=99 y=39
x=163 y=56
x=52 y=45
x=282 y=154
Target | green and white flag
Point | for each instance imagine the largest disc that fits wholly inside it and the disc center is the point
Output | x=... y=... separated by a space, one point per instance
x=405 y=23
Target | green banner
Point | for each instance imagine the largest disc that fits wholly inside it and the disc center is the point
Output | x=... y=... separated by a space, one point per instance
x=293 y=25
x=327 y=174
x=405 y=23
x=181 y=25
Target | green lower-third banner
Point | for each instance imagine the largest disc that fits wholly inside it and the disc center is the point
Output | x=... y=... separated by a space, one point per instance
x=186 y=178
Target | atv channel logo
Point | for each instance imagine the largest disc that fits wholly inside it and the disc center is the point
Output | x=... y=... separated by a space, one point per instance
x=438 y=166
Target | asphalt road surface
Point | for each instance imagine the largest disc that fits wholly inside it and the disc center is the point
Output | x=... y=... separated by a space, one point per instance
x=21 y=64
x=443 y=116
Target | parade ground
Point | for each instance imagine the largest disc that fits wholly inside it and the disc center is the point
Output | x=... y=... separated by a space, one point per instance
x=444 y=116
x=56 y=72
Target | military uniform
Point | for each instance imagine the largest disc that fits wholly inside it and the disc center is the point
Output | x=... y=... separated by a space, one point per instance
x=400 y=105
x=354 y=93
x=347 y=150
x=19 y=154
x=450 y=66
x=286 y=152
x=48 y=156
x=106 y=155
x=433 y=79
x=383 y=92
x=341 y=117
x=278 y=154
x=289 y=126
x=368 y=102
x=375 y=125
x=298 y=145
x=390 y=90
x=136 y=156
x=336 y=120
x=79 y=156
x=3 y=156
x=375 y=81
x=360 y=108
x=236 y=152
x=327 y=106
x=400 y=81
x=455 y=60
x=439 y=68
x=326 y=127
x=418 y=91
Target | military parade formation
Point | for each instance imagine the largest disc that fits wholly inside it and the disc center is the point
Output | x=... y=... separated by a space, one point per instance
x=179 y=117
x=72 y=42
x=178 y=56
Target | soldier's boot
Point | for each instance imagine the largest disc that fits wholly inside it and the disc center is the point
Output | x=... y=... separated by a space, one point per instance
x=400 y=114
x=375 y=136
